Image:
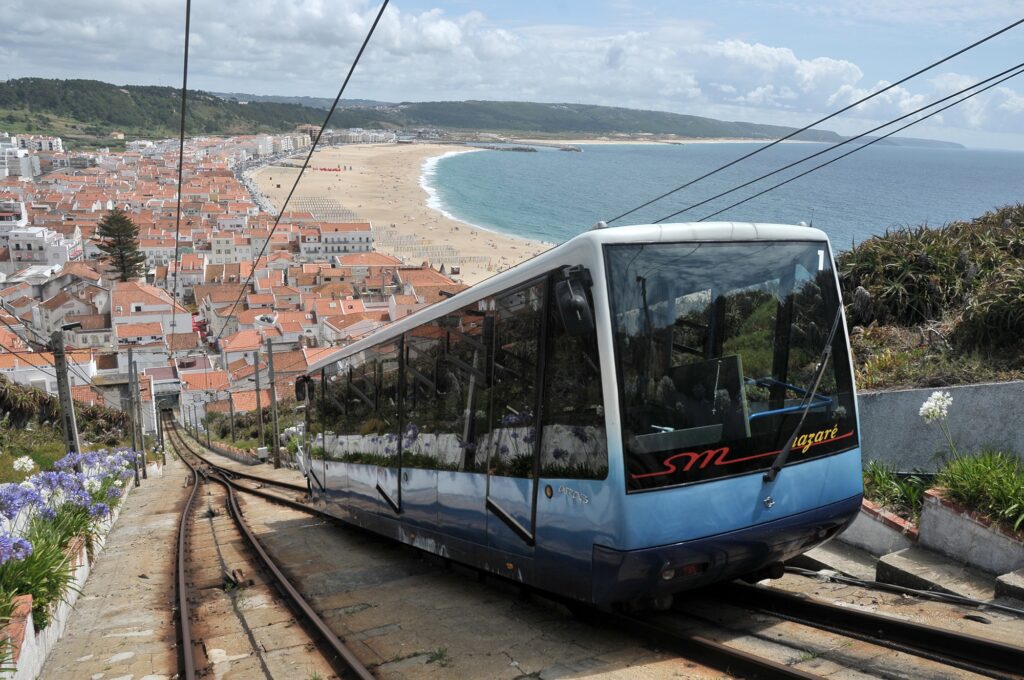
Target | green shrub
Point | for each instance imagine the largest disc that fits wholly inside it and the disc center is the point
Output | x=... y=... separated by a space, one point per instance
x=991 y=482
x=901 y=494
x=994 y=316
x=916 y=274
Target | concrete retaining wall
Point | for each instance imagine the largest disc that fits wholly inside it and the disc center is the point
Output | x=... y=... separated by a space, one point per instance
x=879 y=531
x=981 y=416
x=951 y=531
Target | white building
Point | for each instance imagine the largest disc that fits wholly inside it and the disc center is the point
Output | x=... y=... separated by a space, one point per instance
x=40 y=143
x=337 y=239
x=36 y=369
x=40 y=245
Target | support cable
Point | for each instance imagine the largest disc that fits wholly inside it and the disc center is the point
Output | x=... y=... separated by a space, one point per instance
x=821 y=120
x=840 y=144
x=863 y=146
x=305 y=164
x=181 y=163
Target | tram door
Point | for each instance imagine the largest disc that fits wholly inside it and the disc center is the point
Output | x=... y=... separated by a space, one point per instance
x=511 y=440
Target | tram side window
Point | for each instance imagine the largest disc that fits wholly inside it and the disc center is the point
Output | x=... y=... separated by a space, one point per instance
x=358 y=427
x=462 y=386
x=425 y=435
x=330 y=411
x=574 y=442
x=386 y=361
x=513 y=431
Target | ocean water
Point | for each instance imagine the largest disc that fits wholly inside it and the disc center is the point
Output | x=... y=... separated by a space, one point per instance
x=553 y=195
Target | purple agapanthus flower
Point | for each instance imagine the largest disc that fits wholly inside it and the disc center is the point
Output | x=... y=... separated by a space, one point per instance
x=15 y=497
x=580 y=433
x=99 y=510
x=559 y=453
x=13 y=548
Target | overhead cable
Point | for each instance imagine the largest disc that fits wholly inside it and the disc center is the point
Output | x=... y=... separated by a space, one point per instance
x=840 y=144
x=305 y=164
x=181 y=163
x=864 y=146
x=820 y=120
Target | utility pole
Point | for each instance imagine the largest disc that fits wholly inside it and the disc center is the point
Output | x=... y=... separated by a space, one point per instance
x=209 y=444
x=67 y=404
x=131 y=399
x=273 y=403
x=231 y=412
x=140 y=423
x=138 y=442
x=160 y=431
x=259 y=402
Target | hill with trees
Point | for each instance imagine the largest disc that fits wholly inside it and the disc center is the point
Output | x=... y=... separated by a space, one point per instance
x=88 y=112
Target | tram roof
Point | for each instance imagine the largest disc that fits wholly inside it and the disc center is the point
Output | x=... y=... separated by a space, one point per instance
x=594 y=238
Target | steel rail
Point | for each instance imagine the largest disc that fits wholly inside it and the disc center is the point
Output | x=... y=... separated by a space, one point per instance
x=961 y=650
x=184 y=613
x=274 y=498
x=246 y=475
x=352 y=665
x=704 y=650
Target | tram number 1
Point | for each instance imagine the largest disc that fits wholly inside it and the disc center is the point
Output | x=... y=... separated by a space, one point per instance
x=821 y=260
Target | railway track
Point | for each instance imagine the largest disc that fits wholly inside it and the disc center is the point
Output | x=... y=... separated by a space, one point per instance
x=676 y=630
x=212 y=612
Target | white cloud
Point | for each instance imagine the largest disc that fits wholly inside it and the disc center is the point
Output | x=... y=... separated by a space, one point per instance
x=305 y=47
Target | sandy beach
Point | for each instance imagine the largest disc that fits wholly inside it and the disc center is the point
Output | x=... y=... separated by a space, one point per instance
x=383 y=186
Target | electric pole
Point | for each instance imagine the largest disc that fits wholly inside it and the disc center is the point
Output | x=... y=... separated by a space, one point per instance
x=140 y=421
x=259 y=401
x=67 y=404
x=231 y=411
x=273 y=403
x=131 y=400
x=138 y=441
x=206 y=409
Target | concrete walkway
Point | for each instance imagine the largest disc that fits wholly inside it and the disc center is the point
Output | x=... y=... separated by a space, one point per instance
x=123 y=624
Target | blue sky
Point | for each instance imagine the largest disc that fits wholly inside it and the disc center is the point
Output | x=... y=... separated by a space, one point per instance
x=773 y=61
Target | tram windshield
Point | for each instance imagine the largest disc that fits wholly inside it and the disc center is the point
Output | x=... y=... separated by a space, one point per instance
x=717 y=346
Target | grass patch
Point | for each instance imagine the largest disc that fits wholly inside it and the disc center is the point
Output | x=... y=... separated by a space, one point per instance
x=932 y=307
x=890 y=357
x=902 y=494
x=44 y=445
x=440 y=657
x=991 y=482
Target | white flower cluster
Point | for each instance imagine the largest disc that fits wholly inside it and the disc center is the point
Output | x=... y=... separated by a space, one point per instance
x=24 y=464
x=936 y=407
x=92 y=485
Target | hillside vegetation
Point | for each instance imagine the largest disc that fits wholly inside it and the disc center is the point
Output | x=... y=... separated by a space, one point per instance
x=30 y=426
x=939 y=306
x=86 y=112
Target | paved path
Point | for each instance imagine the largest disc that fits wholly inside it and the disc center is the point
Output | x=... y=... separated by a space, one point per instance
x=123 y=624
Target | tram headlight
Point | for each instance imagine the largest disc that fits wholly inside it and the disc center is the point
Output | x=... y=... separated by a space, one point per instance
x=668 y=574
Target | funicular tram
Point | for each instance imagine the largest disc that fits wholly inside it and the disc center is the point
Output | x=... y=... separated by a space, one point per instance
x=637 y=412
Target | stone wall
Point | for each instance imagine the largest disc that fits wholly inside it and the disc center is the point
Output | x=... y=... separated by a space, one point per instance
x=987 y=415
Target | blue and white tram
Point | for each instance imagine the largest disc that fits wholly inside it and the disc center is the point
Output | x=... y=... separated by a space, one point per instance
x=637 y=412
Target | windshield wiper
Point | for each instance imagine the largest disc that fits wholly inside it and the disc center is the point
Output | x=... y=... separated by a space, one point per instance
x=826 y=355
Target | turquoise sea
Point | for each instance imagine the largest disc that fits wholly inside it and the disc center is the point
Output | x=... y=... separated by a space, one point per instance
x=553 y=195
